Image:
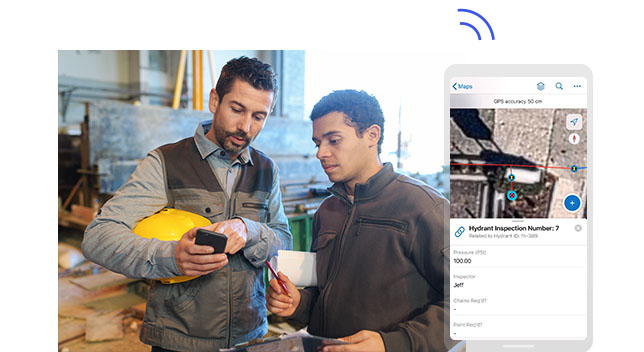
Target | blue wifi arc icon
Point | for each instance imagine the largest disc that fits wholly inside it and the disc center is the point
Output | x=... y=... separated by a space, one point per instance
x=472 y=26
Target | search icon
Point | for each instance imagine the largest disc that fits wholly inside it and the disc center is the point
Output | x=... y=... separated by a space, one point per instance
x=558 y=85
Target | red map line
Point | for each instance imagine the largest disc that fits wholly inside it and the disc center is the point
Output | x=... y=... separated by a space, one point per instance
x=545 y=167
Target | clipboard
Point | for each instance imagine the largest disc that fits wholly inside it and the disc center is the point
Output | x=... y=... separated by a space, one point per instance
x=300 y=341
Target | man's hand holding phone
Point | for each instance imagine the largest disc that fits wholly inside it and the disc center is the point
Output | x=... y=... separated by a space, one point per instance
x=235 y=230
x=193 y=259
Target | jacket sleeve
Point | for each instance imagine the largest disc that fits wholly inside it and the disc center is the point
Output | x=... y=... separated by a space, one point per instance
x=265 y=239
x=109 y=240
x=308 y=297
x=425 y=332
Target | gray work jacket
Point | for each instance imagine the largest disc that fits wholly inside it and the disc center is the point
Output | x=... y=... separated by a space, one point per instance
x=213 y=311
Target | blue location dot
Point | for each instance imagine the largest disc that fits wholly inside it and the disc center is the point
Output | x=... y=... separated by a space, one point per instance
x=574 y=168
x=512 y=195
x=572 y=203
x=511 y=177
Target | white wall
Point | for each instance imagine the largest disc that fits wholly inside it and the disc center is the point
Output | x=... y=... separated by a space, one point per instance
x=107 y=66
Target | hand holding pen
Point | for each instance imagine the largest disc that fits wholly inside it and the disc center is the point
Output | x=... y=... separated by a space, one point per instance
x=282 y=297
x=282 y=285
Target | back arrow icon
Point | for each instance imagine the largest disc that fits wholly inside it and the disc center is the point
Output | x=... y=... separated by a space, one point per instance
x=454 y=86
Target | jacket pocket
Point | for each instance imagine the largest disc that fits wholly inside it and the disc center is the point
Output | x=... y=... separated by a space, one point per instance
x=255 y=205
x=248 y=301
x=198 y=307
x=323 y=247
x=391 y=224
x=205 y=205
x=381 y=238
x=182 y=294
x=154 y=305
x=252 y=209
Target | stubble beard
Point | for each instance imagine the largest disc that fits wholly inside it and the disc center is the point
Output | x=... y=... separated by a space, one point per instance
x=222 y=137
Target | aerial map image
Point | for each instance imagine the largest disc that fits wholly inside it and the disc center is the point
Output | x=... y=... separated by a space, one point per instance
x=518 y=163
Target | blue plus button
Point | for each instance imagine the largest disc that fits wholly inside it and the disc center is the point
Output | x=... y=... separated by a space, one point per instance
x=572 y=203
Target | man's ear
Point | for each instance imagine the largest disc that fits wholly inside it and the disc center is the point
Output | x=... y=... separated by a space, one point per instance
x=372 y=133
x=213 y=102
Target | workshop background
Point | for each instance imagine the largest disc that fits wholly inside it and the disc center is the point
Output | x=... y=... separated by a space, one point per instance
x=116 y=106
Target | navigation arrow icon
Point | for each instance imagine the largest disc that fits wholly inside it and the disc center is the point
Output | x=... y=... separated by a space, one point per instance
x=454 y=86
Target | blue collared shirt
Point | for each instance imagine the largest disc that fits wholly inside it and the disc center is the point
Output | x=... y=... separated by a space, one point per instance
x=219 y=159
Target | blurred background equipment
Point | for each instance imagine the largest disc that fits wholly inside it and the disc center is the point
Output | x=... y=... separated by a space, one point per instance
x=117 y=105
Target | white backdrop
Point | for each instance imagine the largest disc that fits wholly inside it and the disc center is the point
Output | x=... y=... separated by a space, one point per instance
x=606 y=37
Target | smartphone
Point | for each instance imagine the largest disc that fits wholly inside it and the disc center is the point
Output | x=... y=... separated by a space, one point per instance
x=214 y=239
x=518 y=145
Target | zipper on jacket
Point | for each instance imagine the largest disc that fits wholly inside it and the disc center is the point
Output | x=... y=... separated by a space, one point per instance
x=232 y=202
x=230 y=304
x=383 y=222
x=337 y=266
x=255 y=205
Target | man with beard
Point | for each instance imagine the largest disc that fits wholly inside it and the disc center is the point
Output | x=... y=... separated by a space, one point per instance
x=379 y=240
x=217 y=175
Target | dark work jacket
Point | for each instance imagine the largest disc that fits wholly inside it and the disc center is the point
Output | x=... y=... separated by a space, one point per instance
x=381 y=264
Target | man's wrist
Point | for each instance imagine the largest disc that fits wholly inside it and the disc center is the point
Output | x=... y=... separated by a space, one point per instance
x=165 y=258
x=252 y=228
x=301 y=313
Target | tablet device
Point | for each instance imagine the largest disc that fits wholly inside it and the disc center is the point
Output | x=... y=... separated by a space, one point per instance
x=518 y=142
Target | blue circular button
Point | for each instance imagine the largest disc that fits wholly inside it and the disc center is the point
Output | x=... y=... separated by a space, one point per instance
x=572 y=203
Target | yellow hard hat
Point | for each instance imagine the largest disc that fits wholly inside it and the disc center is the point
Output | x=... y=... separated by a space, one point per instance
x=170 y=225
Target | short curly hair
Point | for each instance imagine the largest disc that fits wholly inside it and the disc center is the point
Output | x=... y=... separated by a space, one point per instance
x=250 y=70
x=361 y=110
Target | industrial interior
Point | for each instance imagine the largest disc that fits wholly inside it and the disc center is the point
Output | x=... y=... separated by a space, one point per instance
x=116 y=106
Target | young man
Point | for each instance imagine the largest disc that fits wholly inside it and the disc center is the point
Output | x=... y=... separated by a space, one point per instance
x=378 y=239
x=217 y=175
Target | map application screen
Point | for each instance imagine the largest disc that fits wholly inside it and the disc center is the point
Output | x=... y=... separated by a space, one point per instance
x=518 y=213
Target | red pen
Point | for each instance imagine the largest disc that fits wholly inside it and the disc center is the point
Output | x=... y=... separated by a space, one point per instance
x=278 y=279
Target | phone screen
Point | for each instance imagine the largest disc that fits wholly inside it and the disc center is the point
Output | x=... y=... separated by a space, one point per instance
x=520 y=206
